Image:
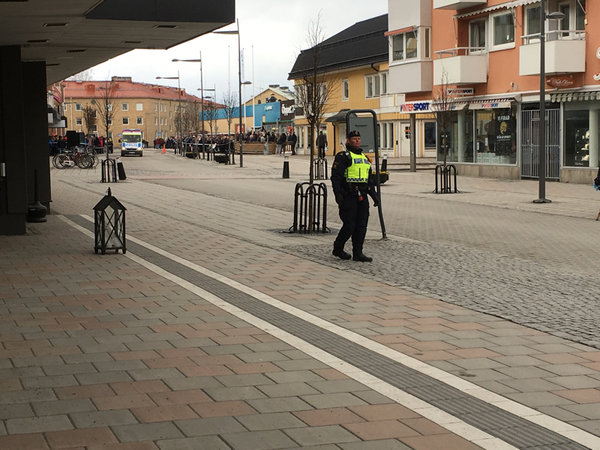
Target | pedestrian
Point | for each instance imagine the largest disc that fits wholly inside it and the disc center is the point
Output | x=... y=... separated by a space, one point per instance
x=292 y=139
x=321 y=144
x=352 y=181
x=280 y=148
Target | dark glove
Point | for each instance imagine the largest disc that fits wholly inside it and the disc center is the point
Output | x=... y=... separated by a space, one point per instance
x=375 y=201
x=339 y=198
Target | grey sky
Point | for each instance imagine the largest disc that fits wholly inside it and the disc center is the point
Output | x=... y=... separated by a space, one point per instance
x=272 y=34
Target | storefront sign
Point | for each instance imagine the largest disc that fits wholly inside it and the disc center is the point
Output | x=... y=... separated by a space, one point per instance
x=560 y=82
x=288 y=110
x=415 y=107
x=457 y=91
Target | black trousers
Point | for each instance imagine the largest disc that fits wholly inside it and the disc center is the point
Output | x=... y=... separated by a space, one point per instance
x=355 y=217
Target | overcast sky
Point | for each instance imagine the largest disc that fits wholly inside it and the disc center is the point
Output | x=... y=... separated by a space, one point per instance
x=272 y=34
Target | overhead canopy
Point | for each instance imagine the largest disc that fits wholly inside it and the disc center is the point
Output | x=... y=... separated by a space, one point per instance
x=339 y=117
x=512 y=4
x=71 y=36
x=575 y=96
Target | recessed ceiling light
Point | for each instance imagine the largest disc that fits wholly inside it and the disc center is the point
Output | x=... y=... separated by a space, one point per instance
x=79 y=50
x=165 y=26
x=131 y=42
x=52 y=64
x=37 y=41
x=56 y=24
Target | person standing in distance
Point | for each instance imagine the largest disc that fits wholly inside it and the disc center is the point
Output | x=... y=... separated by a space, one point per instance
x=352 y=182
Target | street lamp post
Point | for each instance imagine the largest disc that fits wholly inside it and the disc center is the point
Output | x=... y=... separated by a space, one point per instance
x=199 y=60
x=179 y=101
x=240 y=86
x=542 y=156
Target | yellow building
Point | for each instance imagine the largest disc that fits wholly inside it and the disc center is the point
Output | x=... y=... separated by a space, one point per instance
x=153 y=109
x=353 y=65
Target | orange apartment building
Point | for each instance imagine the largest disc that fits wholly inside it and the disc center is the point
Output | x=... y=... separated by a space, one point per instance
x=486 y=56
x=153 y=109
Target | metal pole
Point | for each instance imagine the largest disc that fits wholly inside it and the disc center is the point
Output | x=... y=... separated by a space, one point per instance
x=240 y=80
x=542 y=138
x=179 y=89
x=202 y=104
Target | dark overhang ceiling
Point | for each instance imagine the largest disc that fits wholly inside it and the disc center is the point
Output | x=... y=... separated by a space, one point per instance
x=73 y=35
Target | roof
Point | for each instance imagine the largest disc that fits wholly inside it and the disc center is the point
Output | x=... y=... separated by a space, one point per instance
x=125 y=88
x=361 y=44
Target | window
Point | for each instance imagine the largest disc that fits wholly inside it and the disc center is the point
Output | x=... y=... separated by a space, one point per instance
x=577 y=134
x=139 y=106
x=408 y=45
x=477 y=34
x=155 y=107
x=503 y=33
x=532 y=22
x=430 y=134
x=345 y=90
x=139 y=121
x=125 y=106
x=78 y=121
x=386 y=135
x=376 y=85
x=156 y=121
x=574 y=16
x=125 y=120
x=77 y=106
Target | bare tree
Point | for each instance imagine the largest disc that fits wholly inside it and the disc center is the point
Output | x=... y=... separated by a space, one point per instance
x=230 y=100
x=211 y=113
x=445 y=115
x=315 y=87
x=106 y=107
x=89 y=118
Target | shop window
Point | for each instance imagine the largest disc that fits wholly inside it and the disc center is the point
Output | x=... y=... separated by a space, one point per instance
x=430 y=136
x=577 y=134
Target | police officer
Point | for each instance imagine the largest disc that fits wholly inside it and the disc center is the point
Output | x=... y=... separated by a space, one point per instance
x=352 y=182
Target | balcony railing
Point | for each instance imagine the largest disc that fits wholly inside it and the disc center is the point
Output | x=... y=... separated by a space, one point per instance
x=460 y=65
x=565 y=53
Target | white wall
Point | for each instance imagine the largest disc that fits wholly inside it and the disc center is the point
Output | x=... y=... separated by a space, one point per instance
x=407 y=13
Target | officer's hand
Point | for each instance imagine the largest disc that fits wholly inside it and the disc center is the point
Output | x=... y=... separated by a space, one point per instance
x=376 y=203
x=339 y=198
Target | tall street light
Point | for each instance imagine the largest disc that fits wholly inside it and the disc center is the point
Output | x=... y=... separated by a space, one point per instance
x=542 y=155
x=240 y=85
x=199 y=60
x=179 y=92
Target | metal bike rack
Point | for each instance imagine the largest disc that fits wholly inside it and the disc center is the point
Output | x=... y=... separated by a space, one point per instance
x=310 y=208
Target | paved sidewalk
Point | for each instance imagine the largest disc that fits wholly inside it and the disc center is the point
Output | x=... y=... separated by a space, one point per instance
x=206 y=335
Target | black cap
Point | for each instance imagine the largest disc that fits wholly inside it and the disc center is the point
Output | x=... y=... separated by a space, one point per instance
x=353 y=133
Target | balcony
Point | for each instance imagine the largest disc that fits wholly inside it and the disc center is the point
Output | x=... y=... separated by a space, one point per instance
x=411 y=76
x=462 y=65
x=457 y=4
x=565 y=53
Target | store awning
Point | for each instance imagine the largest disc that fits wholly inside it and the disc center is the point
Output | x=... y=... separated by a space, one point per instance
x=507 y=5
x=492 y=103
x=574 y=96
x=339 y=117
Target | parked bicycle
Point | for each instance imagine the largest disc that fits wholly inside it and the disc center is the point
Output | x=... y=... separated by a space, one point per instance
x=81 y=157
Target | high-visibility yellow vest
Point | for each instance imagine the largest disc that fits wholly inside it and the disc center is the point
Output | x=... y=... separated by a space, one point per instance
x=359 y=170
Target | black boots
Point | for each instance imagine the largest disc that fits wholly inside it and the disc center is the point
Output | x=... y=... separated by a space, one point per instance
x=362 y=258
x=340 y=253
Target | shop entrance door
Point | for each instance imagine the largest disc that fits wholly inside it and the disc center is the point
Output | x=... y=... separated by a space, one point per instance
x=530 y=146
x=404 y=136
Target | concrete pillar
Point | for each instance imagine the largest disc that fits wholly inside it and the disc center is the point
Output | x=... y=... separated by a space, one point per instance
x=594 y=138
x=13 y=186
x=36 y=137
x=461 y=135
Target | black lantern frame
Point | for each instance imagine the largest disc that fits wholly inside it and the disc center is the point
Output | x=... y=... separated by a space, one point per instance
x=109 y=225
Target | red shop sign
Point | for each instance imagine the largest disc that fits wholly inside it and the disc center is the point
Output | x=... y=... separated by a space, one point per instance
x=560 y=82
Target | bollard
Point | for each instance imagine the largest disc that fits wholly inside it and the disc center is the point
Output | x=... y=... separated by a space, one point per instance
x=286 y=166
x=121 y=170
x=384 y=164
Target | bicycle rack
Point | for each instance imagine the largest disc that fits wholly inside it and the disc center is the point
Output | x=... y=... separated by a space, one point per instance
x=443 y=179
x=310 y=208
x=109 y=171
x=320 y=169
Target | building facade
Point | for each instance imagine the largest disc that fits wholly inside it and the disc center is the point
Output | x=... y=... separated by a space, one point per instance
x=153 y=109
x=482 y=58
